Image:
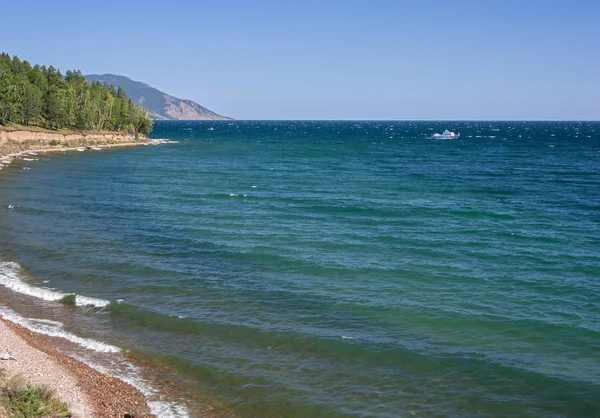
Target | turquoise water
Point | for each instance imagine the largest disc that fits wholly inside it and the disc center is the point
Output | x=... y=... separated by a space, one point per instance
x=333 y=268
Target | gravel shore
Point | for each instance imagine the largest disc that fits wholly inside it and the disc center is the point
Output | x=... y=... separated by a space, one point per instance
x=88 y=392
x=26 y=152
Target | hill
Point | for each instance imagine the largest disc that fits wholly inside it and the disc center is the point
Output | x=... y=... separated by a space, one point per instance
x=160 y=106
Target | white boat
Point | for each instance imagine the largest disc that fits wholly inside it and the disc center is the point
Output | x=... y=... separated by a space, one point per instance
x=80 y=149
x=446 y=135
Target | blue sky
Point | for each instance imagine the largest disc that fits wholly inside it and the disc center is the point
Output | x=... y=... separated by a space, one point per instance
x=484 y=59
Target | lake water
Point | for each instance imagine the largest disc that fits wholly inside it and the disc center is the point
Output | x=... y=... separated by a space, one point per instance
x=324 y=269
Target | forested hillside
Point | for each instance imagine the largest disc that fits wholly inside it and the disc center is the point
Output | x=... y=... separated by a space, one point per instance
x=41 y=96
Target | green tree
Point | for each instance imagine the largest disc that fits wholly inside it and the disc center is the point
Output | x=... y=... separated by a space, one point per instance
x=31 y=104
x=9 y=97
x=38 y=78
x=41 y=95
x=5 y=63
x=54 y=108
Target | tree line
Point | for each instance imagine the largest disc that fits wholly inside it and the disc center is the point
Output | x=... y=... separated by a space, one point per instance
x=42 y=96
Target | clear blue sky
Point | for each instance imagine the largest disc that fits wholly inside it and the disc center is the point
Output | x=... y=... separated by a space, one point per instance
x=426 y=59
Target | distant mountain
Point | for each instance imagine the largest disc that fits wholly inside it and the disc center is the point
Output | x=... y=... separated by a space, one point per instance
x=160 y=106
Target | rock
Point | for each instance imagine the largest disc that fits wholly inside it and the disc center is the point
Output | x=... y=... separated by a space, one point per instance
x=7 y=355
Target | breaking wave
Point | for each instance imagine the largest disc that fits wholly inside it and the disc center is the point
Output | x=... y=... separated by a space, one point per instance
x=10 y=277
x=159 y=408
x=55 y=329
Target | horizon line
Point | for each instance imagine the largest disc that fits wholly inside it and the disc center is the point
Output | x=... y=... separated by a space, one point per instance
x=375 y=120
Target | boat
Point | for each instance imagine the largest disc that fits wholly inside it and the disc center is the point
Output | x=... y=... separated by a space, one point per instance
x=80 y=149
x=446 y=135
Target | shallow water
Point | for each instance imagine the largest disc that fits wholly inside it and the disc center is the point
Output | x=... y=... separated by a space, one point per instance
x=330 y=268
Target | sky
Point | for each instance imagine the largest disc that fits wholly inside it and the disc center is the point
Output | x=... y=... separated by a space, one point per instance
x=329 y=59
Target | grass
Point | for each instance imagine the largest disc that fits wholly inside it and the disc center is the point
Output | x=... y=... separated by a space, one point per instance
x=68 y=300
x=20 y=400
x=12 y=126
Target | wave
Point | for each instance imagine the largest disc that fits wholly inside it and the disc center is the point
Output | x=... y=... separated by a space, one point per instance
x=159 y=408
x=130 y=374
x=10 y=278
x=55 y=329
x=163 y=141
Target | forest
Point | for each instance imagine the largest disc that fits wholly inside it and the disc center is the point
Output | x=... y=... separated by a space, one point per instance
x=42 y=96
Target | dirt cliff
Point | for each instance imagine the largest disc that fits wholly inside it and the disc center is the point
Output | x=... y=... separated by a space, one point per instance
x=12 y=142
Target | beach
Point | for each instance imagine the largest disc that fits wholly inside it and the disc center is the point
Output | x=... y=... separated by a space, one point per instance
x=33 y=152
x=87 y=392
x=20 y=144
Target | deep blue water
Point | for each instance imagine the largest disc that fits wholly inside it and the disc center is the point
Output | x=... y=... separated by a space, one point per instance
x=334 y=268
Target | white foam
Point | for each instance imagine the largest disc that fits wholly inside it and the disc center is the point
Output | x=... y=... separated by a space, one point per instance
x=163 y=141
x=167 y=409
x=9 y=277
x=55 y=329
x=46 y=322
x=159 y=408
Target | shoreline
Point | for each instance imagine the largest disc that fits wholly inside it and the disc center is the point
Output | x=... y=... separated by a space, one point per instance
x=20 y=154
x=17 y=143
x=87 y=392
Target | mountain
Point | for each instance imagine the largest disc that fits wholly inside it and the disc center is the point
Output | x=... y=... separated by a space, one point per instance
x=160 y=106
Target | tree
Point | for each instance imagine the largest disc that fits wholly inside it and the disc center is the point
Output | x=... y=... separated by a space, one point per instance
x=31 y=104
x=54 y=108
x=9 y=97
x=5 y=63
x=41 y=95
x=38 y=78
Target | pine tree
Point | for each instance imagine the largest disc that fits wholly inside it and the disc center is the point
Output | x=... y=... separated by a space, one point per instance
x=41 y=95
x=31 y=104
x=9 y=97
x=54 y=111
